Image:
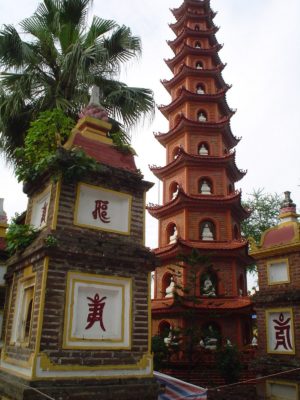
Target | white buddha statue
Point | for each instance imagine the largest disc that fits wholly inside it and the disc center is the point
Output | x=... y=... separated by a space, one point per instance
x=207 y=234
x=203 y=151
x=208 y=289
x=211 y=341
x=197 y=45
x=202 y=117
x=174 y=195
x=254 y=342
x=199 y=65
x=205 y=188
x=228 y=343
x=174 y=237
x=200 y=90
x=168 y=339
x=170 y=289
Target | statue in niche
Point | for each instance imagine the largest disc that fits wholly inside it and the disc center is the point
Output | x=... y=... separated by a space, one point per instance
x=174 y=195
x=202 y=117
x=207 y=233
x=203 y=151
x=174 y=236
x=208 y=288
x=198 y=45
x=170 y=289
x=254 y=342
x=205 y=188
x=211 y=339
x=199 y=65
x=200 y=90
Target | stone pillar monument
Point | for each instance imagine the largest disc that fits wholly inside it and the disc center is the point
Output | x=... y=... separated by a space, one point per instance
x=78 y=311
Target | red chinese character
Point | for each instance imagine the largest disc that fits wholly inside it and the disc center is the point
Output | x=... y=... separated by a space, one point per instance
x=96 y=311
x=282 y=333
x=100 y=211
x=44 y=212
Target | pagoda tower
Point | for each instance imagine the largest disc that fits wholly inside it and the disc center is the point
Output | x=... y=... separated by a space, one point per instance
x=201 y=208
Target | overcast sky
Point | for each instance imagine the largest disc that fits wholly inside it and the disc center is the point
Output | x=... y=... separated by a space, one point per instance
x=262 y=51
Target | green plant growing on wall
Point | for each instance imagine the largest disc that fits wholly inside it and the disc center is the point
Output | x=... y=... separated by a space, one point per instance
x=229 y=363
x=192 y=264
x=160 y=352
x=19 y=236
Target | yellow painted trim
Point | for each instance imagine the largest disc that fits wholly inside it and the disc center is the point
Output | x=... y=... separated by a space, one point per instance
x=47 y=364
x=149 y=314
x=35 y=199
x=275 y=261
x=56 y=204
x=27 y=272
x=19 y=363
x=3 y=354
x=144 y=218
x=283 y=383
x=275 y=251
x=121 y=194
x=280 y=310
x=95 y=135
x=68 y=326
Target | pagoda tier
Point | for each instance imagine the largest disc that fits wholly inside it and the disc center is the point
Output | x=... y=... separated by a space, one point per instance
x=201 y=208
x=185 y=159
x=193 y=6
x=200 y=202
x=186 y=125
x=186 y=95
x=195 y=34
x=205 y=19
x=187 y=71
x=193 y=52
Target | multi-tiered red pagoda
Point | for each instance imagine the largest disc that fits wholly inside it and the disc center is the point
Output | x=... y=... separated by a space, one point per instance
x=201 y=208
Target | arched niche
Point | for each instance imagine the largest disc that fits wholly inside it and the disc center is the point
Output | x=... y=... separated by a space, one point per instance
x=166 y=281
x=211 y=335
x=209 y=284
x=236 y=232
x=203 y=149
x=197 y=28
x=200 y=88
x=172 y=233
x=202 y=116
x=164 y=328
x=175 y=152
x=205 y=186
x=241 y=285
x=173 y=190
x=207 y=230
x=198 y=45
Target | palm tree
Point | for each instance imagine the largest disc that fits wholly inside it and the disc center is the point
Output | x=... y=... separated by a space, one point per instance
x=59 y=64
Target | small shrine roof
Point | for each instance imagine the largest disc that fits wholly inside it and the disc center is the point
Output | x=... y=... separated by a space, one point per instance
x=95 y=147
x=284 y=236
x=185 y=70
x=185 y=124
x=184 y=158
x=186 y=95
x=193 y=51
x=219 y=303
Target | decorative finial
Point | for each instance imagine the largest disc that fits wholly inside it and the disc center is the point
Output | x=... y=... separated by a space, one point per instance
x=94 y=108
x=288 y=209
x=3 y=216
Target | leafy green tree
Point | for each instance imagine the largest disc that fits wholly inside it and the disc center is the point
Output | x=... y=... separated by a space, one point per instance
x=264 y=209
x=228 y=361
x=55 y=62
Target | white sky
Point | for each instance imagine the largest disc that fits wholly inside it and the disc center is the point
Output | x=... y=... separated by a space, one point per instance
x=262 y=43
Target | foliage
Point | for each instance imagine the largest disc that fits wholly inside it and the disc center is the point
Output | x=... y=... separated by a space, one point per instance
x=54 y=63
x=19 y=236
x=160 y=352
x=51 y=241
x=72 y=165
x=192 y=263
x=264 y=209
x=229 y=363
